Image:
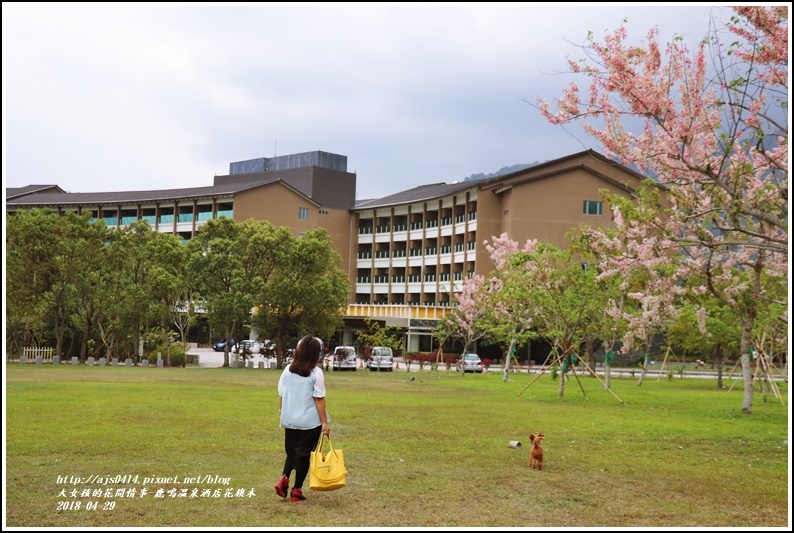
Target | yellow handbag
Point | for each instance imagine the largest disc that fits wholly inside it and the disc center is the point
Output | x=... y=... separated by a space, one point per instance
x=326 y=471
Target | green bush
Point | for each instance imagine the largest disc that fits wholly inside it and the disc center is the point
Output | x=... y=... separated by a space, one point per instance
x=177 y=355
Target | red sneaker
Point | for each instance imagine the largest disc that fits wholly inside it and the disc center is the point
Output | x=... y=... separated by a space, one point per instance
x=282 y=485
x=297 y=495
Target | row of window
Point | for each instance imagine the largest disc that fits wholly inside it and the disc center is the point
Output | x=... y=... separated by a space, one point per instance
x=164 y=219
x=589 y=207
x=365 y=229
x=181 y=218
x=415 y=278
x=363 y=299
x=417 y=252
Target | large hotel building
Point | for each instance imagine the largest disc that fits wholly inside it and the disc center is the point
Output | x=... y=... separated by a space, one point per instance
x=405 y=254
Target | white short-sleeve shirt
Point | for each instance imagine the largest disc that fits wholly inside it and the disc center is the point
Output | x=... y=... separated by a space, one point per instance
x=298 y=410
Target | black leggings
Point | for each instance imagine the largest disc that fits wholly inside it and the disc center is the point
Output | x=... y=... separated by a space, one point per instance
x=299 y=443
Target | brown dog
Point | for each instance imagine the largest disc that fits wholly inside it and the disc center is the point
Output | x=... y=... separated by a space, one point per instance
x=536 y=452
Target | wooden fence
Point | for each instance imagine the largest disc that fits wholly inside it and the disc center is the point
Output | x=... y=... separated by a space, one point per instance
x=30 y=354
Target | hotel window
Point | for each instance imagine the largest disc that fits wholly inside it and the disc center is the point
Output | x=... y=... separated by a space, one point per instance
x=303 y=213
x=590 y=207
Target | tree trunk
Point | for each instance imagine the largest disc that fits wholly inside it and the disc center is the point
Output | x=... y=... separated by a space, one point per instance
x=747 y=371
x=561 y=390
x=642 y=374
x=226 y=348
x=609 y=356
x=506 y=369
x=645 y=359
x=167 y=343
x=58 y=332
x=84 y=344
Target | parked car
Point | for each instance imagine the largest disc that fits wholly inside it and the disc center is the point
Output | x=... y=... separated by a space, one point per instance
x=250 y=347
x=221 y=344
x=382 y=359
x=345 y=358
x=471 y=363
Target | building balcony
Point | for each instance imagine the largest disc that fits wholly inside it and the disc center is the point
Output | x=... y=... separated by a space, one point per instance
x=406 y=311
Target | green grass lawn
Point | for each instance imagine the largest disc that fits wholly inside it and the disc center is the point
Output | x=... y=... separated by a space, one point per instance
x=432 y=452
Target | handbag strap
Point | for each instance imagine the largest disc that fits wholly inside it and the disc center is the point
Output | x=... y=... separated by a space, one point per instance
x=319 y=447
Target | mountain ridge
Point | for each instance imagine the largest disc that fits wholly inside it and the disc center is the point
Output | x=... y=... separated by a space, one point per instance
x=501 y=172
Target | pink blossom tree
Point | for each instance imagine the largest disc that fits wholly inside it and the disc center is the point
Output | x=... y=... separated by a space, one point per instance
x=465 y=321
x=610 y=325
x=714 y=135
x=632 y=256
x=509 y=310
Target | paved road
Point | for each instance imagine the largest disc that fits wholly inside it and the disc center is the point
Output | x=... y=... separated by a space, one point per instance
x=211 y=359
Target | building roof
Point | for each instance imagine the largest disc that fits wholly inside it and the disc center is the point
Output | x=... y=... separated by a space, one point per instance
x=16 y=192
x=45 y=195
x=94 y=198
x=420 y=194
x=439 y=190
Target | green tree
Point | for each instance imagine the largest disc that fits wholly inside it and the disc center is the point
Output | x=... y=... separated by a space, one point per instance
x=607 y=323
x=32 y=239
x=509 y=311
x=49 y=262
x=303 y=288
x=707 y=328
x=218 y=265
x=564 y=297
x=131 y=304
x=114 y=330
x=165 y=282
x=87 y=243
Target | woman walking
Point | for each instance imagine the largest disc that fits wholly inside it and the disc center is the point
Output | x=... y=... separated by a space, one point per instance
x=301 y=388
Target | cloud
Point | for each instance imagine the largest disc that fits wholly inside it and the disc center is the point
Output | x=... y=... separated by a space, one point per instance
x=106 y=97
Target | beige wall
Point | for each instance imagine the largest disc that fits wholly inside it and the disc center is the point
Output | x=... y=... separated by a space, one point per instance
x=546 y=203
x=279 y=204
x=548 y=209
x=489 y=225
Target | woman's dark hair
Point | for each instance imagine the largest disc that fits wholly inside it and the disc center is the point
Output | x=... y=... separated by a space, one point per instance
x=306 y=356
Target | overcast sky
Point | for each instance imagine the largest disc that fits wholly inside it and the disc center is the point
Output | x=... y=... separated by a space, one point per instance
x=124 y=97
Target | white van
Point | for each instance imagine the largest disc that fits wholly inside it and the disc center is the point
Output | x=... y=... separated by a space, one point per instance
x=345 y=358
x=382 y=359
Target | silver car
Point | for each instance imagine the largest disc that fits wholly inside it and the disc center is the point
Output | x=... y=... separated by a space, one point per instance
x=471 y=363
x=382 y=359
x=248 y=346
